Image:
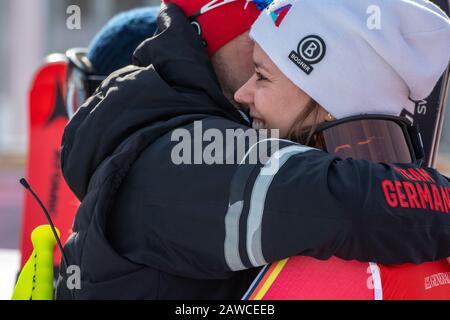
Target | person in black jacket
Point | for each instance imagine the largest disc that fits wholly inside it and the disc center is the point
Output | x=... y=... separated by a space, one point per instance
x=151 y=228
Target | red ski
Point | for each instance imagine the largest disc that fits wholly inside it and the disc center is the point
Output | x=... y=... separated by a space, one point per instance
x=47 y=119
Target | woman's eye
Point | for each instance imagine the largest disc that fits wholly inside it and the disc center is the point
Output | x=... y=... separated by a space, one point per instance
x=260 y=77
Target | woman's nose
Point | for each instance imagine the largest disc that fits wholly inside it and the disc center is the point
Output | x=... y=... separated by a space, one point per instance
x=245 y=94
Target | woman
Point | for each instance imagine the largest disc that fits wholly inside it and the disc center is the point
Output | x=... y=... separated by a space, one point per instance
x=308 y=73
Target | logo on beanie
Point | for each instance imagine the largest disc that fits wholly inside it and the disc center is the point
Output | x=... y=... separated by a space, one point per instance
x=311 y=50
x=279 y=14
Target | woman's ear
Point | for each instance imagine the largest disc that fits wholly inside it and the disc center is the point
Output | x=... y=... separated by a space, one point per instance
x=323 y=115
x=329 y=117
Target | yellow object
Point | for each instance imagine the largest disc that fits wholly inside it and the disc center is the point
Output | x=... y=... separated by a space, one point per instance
x=36 y=279
x=279 y=266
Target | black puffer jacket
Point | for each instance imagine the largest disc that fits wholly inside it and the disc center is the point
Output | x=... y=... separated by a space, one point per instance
x=150 y=229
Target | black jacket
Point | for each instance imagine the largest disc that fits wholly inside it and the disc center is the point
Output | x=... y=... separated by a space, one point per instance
x=150 y=229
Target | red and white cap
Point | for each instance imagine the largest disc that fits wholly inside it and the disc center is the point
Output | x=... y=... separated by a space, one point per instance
x=220 y=20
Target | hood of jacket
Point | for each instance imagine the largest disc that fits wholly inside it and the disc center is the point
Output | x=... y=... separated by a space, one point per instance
x=172 y=83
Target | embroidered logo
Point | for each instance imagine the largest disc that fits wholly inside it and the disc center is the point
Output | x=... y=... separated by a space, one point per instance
x=311 y=50
x=279 y=14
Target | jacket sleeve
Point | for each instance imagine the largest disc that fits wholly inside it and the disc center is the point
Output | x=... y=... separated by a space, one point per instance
x=211 y=221
x=317 y=205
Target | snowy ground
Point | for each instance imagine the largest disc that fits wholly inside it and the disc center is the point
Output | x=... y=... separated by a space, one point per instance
x=11 y=198
x=9 y=265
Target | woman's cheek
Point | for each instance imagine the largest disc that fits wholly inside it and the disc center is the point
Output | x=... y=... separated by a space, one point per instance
x=262 y=104
x=281 y=117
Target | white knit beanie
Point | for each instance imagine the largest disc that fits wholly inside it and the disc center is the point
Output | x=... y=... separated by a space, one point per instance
x=357 y=56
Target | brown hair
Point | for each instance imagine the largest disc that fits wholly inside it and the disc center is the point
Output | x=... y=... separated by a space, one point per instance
x=304 y=134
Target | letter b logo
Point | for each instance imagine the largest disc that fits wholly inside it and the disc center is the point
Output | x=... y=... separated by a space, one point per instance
x=312 y=49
